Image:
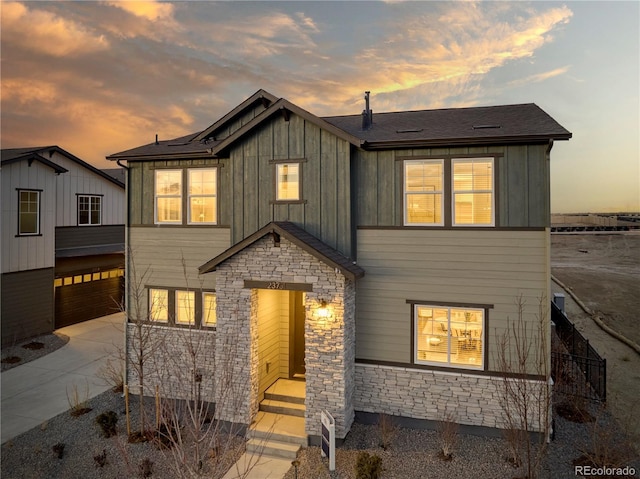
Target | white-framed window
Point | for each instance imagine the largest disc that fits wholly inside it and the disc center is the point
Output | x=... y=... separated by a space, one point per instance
x=449 y=336
x=208 y=309
x=89 y=210
x=28 y=212
x=168 y=196
x=185 y=307
x=288 y=182
x=423 y=192
x=159 y=305
x=473 y=192
x=202 y=191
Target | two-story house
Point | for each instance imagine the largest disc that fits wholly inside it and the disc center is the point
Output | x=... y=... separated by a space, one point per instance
x=373 y=257
x=62 y=241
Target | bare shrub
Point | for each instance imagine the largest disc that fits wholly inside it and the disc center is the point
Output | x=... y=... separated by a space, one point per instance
x=387 y=431
x=78 y=400
x=112 y=372
x=447 y=432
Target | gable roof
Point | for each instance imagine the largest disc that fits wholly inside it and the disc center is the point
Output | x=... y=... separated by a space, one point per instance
x=452 y=126
x=505 y=124
x=12 y=155
x=300 y=238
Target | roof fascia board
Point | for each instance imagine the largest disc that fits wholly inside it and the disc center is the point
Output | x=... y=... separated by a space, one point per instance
x=40 y=159
x=237 y=110
x=205 y=154
x=283 y=104
x=516 y=140
x=84 y=164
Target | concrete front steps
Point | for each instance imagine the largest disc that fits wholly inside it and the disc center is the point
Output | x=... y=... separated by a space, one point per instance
x=278 y=430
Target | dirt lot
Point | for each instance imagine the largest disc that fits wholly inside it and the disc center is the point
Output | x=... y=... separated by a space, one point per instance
x=603 y=270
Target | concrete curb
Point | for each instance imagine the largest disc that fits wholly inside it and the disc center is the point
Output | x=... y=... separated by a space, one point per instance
x=596 y=318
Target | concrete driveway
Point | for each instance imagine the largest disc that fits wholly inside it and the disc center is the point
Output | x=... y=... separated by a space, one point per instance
x=37 y=391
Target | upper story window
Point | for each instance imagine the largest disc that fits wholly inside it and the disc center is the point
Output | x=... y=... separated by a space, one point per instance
x=288 y=184
x=28 y=212
x=423 y=192
x=449 y=336
x=89 y=210
x=168 y=196
x=473 y=192
x=202 y=188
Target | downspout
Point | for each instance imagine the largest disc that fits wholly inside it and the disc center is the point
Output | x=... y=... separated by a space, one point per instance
x=125 y=375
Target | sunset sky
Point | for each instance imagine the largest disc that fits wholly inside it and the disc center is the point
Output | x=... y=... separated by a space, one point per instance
x=97 y=78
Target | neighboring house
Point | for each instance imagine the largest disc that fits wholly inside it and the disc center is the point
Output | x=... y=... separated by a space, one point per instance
x=62 y=241
x=377 y=257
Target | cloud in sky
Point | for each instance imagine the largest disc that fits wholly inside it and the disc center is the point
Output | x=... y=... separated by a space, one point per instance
x=101 y=77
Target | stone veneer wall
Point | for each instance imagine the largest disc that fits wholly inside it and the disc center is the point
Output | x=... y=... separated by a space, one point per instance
x=422 y=394
x=329 y=343
x=174 y=355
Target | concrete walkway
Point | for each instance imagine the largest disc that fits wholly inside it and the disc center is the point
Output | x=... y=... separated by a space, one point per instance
x=251 y=466
x=37 y=391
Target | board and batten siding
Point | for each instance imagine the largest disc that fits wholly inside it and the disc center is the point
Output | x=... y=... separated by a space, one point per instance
x=82 y=181
x=20 y=253
x=326 y=209
x=472 y=267
x=156 y=258
x=273 y=318
x=229 y=127
x=522 y=184
x=142 y=187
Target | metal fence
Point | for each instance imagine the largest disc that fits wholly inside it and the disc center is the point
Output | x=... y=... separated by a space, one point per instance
x=580 y=370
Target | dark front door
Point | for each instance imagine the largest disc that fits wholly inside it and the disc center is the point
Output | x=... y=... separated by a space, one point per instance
x=296 y=334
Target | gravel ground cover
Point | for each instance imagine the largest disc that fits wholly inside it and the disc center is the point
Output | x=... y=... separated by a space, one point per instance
x=30 y=349
x=31 y=455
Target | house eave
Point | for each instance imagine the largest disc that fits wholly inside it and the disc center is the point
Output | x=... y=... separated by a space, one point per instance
x=447 y=142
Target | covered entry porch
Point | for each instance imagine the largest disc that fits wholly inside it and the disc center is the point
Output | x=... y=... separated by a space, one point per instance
x=286 y=310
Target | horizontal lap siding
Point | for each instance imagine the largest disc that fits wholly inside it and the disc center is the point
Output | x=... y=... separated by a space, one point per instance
x=156 y=256
x=481 y=267
x=269 y=323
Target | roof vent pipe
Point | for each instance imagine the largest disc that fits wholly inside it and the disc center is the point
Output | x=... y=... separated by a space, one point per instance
x=157 y=143
x=367 y=114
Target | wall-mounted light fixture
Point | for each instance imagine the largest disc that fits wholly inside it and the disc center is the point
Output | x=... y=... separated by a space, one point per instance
x=323 y=310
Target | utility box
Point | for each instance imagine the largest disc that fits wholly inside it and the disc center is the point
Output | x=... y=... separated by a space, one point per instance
x=558 y=299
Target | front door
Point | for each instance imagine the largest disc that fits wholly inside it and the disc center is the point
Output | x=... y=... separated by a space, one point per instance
x=296 y=334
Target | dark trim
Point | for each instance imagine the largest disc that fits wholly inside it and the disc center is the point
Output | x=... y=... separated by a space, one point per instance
x=456 y=228
x=289 y=160
x=26 y=235
x=175 y=225
x=288 y=202
x=39 y=217
x=449 y=304
x=371 y=418
x=29 y=189
x=426 y=367
x=171 y=308
x=448 y=156
x=95 y=226
x=89 y=194
x=33 y=155
x=274 y=170
x=449 y=142
x=277 y=285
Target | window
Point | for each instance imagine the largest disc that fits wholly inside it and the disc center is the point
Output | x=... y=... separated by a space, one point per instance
x=473 y=192
x=209 y=309
x=168 y=196
x=185 y=307
x=29 y=212
x=158 y=305
x=89 y=210
x=202 y=195
x=288 y=182
x=423 y=191
x=449 y=336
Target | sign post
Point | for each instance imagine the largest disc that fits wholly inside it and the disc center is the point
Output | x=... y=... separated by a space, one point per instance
x=328 y=440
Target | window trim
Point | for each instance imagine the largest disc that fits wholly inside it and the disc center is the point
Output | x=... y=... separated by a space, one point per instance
x=38 y=211
x=278 y=163
x=405 y=193
x=491 y=159
x=203 y=324
x=166 y=307
x=214 y=196
x=156 y=196
x=172 y=307
x=192 y=321
x=91 y=197
x=415 y=304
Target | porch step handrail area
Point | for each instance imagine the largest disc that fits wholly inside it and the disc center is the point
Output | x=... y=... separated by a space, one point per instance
x=577 y=370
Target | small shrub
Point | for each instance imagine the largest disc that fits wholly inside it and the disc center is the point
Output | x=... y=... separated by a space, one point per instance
x=145 y=468
x=58 y=450
x=78 y=401
x=574 y=411
x=33 y=345
x=447 y=431
x=112 y=372
x=107 y=422
x=101 y=459
x=369 y=466
x=387 y=431
x=163 y=437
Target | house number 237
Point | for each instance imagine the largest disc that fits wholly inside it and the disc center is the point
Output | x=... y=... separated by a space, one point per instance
x=275 y=285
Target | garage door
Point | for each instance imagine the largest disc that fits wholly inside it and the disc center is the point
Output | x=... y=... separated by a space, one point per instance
x=84 y=296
